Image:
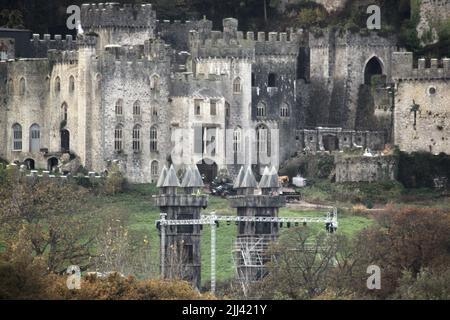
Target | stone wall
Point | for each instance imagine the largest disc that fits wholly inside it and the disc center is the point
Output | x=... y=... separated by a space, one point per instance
x=338 y=63
x=422 y=106
x=365 y=169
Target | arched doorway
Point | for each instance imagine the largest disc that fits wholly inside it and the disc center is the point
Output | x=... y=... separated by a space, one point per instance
x=52 y=164
x=29 y=163
x=373 y=67
x=208 y=169
x=65 y=140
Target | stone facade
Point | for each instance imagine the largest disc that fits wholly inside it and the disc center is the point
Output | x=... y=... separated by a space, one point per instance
x=146 y=93
x=365 y=169
x=422 y=106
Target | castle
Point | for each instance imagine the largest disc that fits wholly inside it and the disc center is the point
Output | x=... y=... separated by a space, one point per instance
x=144 y=93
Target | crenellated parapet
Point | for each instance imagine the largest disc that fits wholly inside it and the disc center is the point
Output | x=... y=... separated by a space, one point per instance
x=403 y=68
x=62 y=57
x=233 y=43
x=41 y=44
x=339 y=38
x=113 y=14
x=153 y=49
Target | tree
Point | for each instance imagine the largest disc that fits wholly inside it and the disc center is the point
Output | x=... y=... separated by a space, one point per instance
x=428 y=284
x=48 y=213
x=402 y=240
x=11 y=19
x=301 y=266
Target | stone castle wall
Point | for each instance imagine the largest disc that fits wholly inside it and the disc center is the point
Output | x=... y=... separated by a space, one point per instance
x=366 y=169
x=424 y=127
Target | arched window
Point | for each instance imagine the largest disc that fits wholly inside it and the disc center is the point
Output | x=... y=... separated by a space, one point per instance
x=153 y=139
x=118 y=145
x=119 y=107
x=237 y=86
x=98 y=82
x=237 y=136
x=35 y=138
x=154 y=168
x=71 y=84
x=253 y=80
x=284 y=111
x=11 y=86
x=57 y=85
x=227 y=110
x=154 y=109
x=261 y=110
x=137 y=108
x=17 y=137
x=272 y=80
x=22 y=86
x=64 y=109
x=137 y=138
x=155 y=83
x=262 y=141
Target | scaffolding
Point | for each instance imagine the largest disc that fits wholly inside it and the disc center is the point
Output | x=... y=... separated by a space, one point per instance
x=249 y=252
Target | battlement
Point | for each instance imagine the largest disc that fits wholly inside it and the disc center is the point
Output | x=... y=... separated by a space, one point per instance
x=41 y=44
x=403 y=67
x=231 y=42
x=344 y=38
x=112 y=14
x=62 y=57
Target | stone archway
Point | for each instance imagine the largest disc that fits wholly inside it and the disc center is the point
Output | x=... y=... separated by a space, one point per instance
x=373 y=67
x=52 y=164
x=208 y=169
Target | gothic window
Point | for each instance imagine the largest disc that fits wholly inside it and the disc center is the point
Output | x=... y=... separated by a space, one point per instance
x=261 y=110
x=237 y=140
x=197 y=108
x=253 y=79
x=262 y=140
x=64 y=112
x=35 y=138
x=17 y=137
x=118 y=145
x=137 y=138
x=71 y=84
x=153 y=139
x=213 y=107
x=57 y=85
x=272 y=80
x=154 y=168
x=237 y=86
x=98 y=84
x=137 y=108
x=154 y=109
x=284 y=110
x=22 y=86
x=227 y=110
x=10 y=86
x=155 y=83
x=119 y=107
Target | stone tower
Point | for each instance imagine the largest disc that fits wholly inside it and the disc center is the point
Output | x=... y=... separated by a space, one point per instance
x=180 y=253
x=253 y=238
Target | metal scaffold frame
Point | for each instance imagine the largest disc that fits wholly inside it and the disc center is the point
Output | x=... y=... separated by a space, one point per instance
x=212 y=220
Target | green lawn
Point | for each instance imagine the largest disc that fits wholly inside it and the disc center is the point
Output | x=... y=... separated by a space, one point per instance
x=136 y=208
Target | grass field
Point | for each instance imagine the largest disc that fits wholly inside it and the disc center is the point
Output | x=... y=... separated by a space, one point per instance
x=136 y=209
